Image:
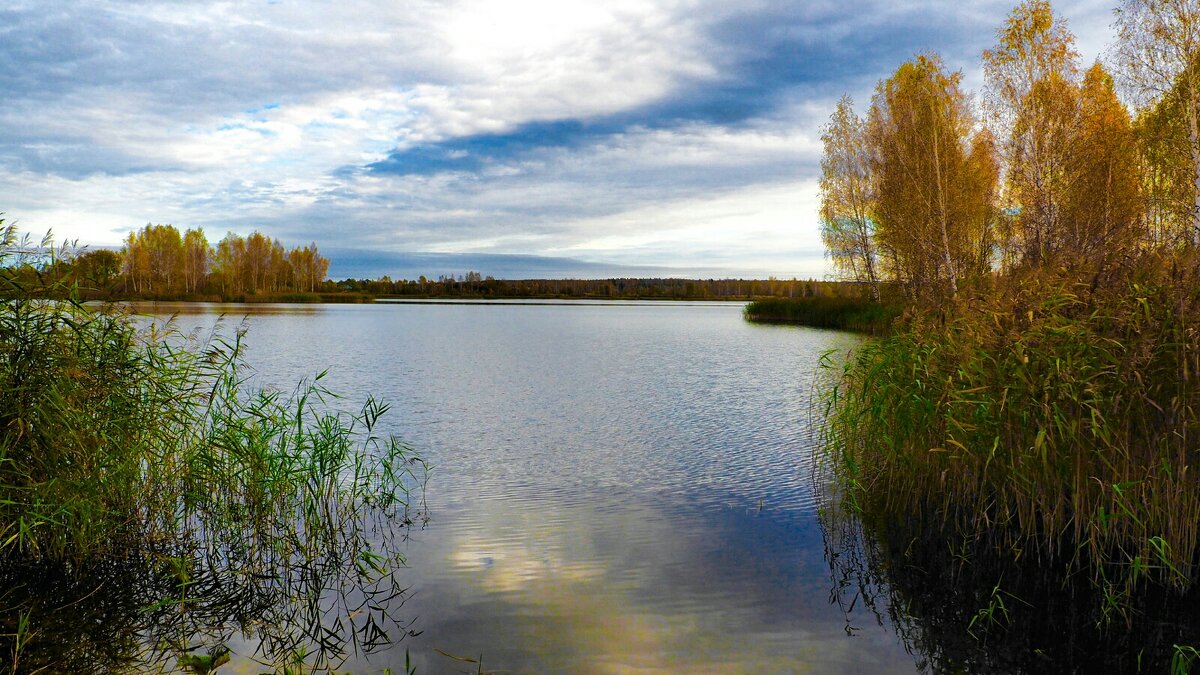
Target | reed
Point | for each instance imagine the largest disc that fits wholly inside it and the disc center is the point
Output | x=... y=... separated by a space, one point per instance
x=1050 y=417
x=139 y=448
x=844 y=313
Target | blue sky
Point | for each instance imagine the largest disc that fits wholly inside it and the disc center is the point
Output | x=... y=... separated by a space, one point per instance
x=678 y=137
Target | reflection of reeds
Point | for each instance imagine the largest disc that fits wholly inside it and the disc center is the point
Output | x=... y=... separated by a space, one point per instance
x=137 y=470
x=968 y=606
x=1051 y=420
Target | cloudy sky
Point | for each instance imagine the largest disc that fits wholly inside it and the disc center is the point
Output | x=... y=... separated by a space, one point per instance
x=555 y=137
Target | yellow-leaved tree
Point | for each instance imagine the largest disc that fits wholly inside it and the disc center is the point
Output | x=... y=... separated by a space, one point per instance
x=933 y=180
x=1032 y=104
x=848 y=198
x=1103 y=207
x=1158 y=56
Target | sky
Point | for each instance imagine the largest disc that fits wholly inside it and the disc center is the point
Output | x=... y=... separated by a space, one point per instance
x=519 y=138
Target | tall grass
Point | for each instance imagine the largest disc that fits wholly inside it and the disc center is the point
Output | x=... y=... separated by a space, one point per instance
x=119 y=443
x=1052 y=418
x=845 y=313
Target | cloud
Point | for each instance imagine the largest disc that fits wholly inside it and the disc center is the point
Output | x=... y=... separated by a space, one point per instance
x=521 y=128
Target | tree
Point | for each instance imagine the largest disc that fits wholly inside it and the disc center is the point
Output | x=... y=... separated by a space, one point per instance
x=136 y=261
x=309 y=268
x=1168 y=173
x=196 y=254
x=257 y=262
x=1103 y=206
x=932 y=191
x=1158 y=55
x=154 y=261
x=100 y=267
x=848 y=198
x=980 y=213
x=228 y=264
x=280 y=275
x=1031 y=104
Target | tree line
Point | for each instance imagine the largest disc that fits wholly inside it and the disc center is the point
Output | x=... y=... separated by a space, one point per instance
x=158 y=261
x=475 y=285
x=928 y=190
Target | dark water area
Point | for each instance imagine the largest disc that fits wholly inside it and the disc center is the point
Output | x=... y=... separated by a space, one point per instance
x=616 y=488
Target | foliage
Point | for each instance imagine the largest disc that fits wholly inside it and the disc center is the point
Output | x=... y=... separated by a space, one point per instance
x=932 y=182
x=1031 y=76
x=143 y=446
x=1046 y=416
x=158 y=262
x=1158 y=54
x=1055 y=417
x=1103 y=207
x=473 y=285
x=848 y=207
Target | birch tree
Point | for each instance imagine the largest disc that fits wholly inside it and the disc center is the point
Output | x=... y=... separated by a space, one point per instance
x=1031 y=102
x=930 y=178
x=848 y=199
x=1158 y=57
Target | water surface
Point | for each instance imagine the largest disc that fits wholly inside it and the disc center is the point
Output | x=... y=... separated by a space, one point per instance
x=617 y=488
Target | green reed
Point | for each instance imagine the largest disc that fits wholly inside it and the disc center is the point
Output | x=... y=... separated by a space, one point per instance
x=123 y=447
x=1051 y=417
x=845 y=313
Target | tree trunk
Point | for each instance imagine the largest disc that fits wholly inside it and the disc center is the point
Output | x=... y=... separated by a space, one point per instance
x=1193 y=108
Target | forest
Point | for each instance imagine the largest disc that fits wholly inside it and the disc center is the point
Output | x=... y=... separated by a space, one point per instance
x=158 y=263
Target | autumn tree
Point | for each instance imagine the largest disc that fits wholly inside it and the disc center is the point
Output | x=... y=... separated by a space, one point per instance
x=848 y=197
x=280 y=276
x=1158 y=56
x=931 y=180
x=154 y=260
x=196 y=254
x=1167 y=173
x=1103 y=206
x=135 y=258
x=1032 y=104
x=228 y=263
x=257 y=262
x=309 y=268
x=98 y=268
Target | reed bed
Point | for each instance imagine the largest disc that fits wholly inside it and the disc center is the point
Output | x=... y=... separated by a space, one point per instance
x=1051 y=418
x=844 y=313
x=126 y=447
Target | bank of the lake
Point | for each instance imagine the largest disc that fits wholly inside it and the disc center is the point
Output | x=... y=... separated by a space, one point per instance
x=1042 y=429
x=857 y=314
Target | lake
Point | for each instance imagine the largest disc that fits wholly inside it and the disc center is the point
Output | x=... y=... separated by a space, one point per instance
x=616 y=487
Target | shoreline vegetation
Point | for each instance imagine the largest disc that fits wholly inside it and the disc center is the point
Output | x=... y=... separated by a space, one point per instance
x=1026 y=437
x=154 y=510
x=857 y=314
x=158 y=263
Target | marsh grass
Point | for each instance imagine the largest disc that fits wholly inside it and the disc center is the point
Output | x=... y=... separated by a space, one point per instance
x=845 y=313
x=232 y=509
x=1052 y=419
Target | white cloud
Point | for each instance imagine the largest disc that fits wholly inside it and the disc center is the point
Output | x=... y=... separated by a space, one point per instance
x=261 y=115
